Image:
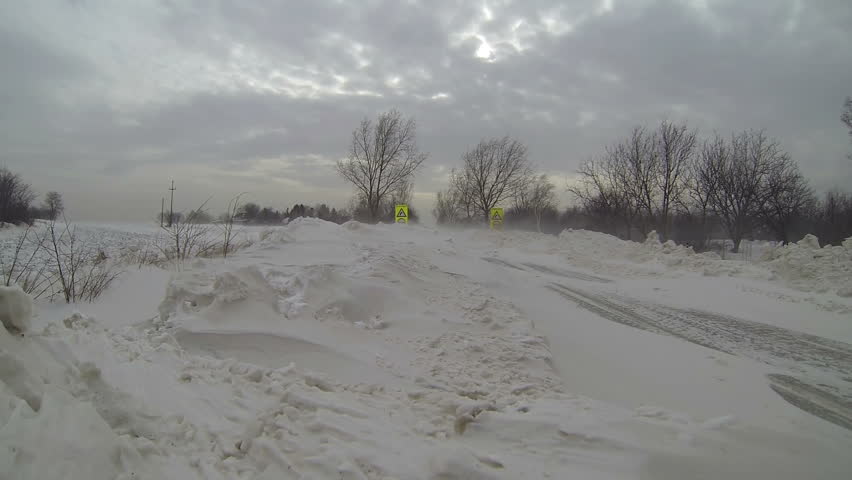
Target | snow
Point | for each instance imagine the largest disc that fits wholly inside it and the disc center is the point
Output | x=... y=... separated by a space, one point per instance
x=16 y=308
x=404 y=352
x=808 y=267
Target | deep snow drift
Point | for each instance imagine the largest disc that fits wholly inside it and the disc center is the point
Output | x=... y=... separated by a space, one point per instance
x=401 y=352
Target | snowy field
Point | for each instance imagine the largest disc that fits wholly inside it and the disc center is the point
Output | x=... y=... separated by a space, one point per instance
x=401 y=352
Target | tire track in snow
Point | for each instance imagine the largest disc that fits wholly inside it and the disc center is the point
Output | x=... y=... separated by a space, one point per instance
x=812 y=399
x=502 y=263
x=568 y=273
x=559 y=272
x=779 y=347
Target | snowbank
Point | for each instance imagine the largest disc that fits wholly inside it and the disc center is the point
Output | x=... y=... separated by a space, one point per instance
x=608 y=254
x=806 y=266
x=803 y=265
x=59 y=419
x=389 y=351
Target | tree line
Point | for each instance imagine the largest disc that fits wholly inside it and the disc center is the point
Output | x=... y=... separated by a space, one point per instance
x=690 y=189
x=493 y=172
x=17 y=200
x=251 y=213
x=384 y=158
x=668 y=179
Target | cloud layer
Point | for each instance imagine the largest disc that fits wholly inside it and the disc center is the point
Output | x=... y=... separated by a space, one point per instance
x=113 y=99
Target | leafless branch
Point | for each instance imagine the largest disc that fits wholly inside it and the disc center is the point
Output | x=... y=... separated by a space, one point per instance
x=383 y=158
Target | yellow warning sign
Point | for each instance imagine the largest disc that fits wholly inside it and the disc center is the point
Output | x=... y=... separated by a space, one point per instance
x=401 y=213
x=495 y=219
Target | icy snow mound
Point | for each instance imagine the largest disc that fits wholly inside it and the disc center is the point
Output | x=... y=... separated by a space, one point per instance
x=806 y=266
x=595 y=249
x=312 y=228
x=16 y=309
x=59 y=419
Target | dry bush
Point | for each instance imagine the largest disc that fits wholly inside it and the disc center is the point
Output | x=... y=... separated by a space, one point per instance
x=28 y=267
x=54 y=263
x=187 y=239
x=82 y=273
x=227 y=226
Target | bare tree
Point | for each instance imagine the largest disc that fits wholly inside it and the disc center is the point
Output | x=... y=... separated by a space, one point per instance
x=675 y=148
x=742 y=182
x=623 y=183
x=636 y=165
x=203 y=217
x=455 y=205
x=383 y=157
x=846 y=116
x=787 y=198
x=404 y=195
x=603 y=195
x=701 y=186
x=665 y=179
x=627 y=173
x=249 y=212
x=463 y=196
x=833 y=218
x=386 y=212
x=447 y=209
x=53 y=205
x=538 y=196
x=494 y=171
x=15 y=197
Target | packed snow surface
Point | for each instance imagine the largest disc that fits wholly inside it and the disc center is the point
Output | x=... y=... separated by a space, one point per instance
x=401 y=352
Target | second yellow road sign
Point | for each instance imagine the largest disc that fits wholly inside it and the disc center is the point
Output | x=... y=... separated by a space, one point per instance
x=495 y=218
x=401 y=214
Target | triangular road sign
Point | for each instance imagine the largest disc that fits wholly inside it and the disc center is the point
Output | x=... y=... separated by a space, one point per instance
x=401 y=213
x=496 y=216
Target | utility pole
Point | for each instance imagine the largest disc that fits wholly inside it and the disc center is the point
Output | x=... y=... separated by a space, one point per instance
x=162 y=210
x=172 y=204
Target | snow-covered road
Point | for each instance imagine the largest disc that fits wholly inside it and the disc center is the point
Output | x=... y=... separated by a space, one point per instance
x=822 y=367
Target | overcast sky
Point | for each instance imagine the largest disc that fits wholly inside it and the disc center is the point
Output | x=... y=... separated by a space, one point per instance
x=107 y=101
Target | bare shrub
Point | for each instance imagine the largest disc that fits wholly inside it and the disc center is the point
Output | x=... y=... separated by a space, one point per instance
x=227 y=225
x=82 y=273
x=187 y=239
x=28 y=268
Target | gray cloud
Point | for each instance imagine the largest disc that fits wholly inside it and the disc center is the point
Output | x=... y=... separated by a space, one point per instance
x=233 y=96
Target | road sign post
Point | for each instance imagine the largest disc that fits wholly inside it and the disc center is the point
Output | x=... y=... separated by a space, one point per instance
x=401 y=214
x=495 y=219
